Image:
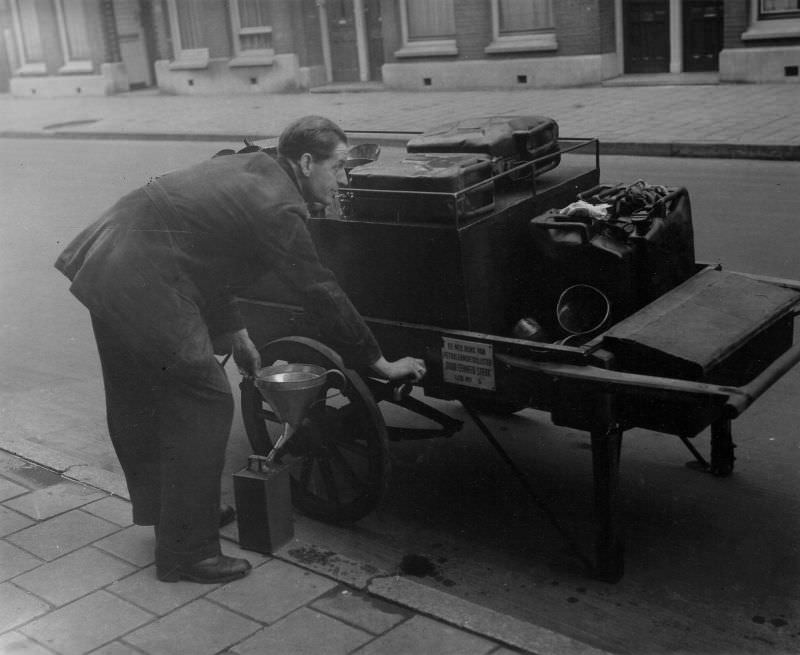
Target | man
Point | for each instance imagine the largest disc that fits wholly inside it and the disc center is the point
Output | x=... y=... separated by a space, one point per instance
x=158 y=273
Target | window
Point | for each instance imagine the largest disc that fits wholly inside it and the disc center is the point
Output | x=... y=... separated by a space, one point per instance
x=74 y=37
x=252 y=33
x=430 y=20
x=779 y=8
x=186 y=21
x=516 y=16
x=773 y=19
x=28 y=37
x=428 y=28
x=198 y=32
x=522 y=25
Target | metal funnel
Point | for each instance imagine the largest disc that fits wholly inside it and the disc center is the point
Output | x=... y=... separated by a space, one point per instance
x=291 y=389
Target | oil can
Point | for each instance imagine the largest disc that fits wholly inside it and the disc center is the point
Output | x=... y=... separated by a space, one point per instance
x=263 y=505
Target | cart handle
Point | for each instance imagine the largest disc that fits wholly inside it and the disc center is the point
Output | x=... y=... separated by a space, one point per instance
x=604 y=377
x=735 y=399
x=748 y=393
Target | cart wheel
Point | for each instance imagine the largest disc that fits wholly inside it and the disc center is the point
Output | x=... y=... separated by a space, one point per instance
x=339 y=457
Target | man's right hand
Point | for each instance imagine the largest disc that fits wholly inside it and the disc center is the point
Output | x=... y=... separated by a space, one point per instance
x=400 y=369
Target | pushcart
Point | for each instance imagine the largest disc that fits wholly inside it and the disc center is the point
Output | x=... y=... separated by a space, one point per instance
x=452 y=292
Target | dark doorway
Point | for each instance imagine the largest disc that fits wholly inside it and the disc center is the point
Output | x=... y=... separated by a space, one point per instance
x=344 y=50
x=646 y=36
x=702 y=35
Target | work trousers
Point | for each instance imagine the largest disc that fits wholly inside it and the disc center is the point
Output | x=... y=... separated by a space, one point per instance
x=169 y=434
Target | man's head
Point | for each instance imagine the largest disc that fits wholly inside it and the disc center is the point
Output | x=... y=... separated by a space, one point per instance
x=317 y=148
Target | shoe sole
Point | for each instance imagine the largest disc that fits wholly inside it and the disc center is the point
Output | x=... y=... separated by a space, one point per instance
x=176 y=576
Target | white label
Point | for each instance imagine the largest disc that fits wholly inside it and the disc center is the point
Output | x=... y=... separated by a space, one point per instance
x=468 y=363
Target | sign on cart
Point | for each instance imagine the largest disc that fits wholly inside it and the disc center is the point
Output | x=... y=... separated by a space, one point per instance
x=468 y=363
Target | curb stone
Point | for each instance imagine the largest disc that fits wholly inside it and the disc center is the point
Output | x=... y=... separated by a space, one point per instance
x=770 y=152
x=480 y=620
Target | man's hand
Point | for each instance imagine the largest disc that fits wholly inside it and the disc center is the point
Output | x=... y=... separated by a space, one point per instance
x=223 y=344
x=406 y=367
x=245 y=353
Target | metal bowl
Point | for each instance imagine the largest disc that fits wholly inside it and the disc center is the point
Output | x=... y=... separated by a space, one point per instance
x=582 y=309
x=290 y=377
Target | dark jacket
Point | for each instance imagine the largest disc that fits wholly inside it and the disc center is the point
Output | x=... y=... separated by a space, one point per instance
x=162 y=266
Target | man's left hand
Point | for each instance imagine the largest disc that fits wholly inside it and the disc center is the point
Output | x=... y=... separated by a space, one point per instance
x=245 y=353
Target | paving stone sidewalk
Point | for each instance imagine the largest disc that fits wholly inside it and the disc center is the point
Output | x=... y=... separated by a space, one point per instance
x=709 y=120
x=77 y=577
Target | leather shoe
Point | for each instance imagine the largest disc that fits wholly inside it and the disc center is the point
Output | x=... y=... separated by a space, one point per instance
x=211 y=570
x=226 y=515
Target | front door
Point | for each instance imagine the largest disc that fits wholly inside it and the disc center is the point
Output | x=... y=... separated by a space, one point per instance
x=702 y=35
x=646 y=36
x=127 y=14
x=344 y=48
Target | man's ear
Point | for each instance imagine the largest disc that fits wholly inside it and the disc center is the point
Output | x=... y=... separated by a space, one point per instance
x=305 y=163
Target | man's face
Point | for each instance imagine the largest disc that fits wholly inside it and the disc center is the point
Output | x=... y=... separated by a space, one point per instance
x=323 y=177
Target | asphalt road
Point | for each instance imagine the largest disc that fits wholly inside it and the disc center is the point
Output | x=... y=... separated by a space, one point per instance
x=712 y=565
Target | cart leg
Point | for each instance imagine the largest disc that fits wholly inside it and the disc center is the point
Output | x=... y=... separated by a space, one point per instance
x=699 y=461
x=722 y=447
x=609 y=548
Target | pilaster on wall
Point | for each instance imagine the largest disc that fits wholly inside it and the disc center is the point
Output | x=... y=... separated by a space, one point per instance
x=110 y=36
x=675 y=36
x=162 y=36
x=361 y=40
x=619 y=35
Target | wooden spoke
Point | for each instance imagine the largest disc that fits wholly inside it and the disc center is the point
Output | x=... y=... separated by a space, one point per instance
x=345 y=466
x=329 y=480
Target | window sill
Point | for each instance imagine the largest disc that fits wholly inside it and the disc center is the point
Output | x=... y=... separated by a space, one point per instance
x=190 y=60
x=526 y=43
x=26 y=70
x=76 y=68
x=444 y=48
x=788 y=28
x=253 y=59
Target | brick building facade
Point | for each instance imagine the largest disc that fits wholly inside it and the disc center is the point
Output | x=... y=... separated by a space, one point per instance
x=58 y=47
x=501 y=44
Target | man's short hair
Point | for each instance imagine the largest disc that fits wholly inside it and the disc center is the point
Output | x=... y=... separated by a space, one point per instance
x=316 y=135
